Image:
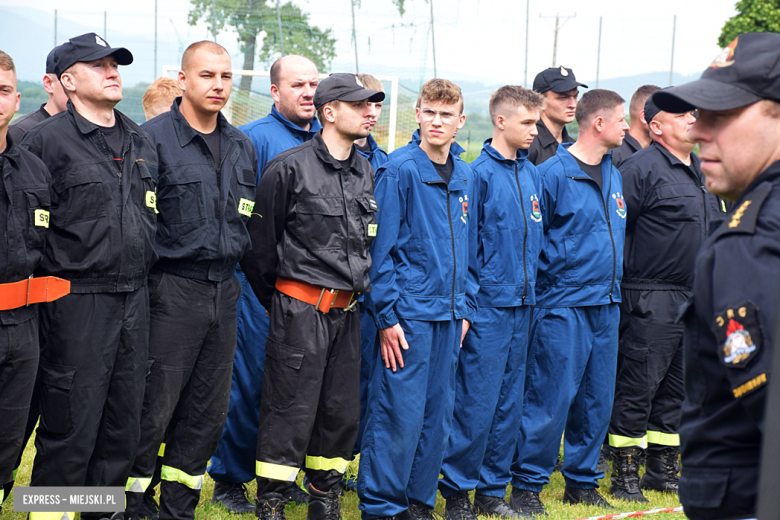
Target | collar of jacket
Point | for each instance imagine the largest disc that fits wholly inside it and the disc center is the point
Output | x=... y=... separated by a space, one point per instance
x=546 y=138
x=11 y=151
x=632 y=143
x=455 y=148
x=695 y=166
x=771 y=174
x=428 y=173
x=572 y=167
x=185 y=132
x=86 y=127
x=321 y=149
x=314 y=127
x=492 y=152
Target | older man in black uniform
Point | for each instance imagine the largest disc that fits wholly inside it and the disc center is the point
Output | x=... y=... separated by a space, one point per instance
x=560 y=90
x=638 y=135
x=309 y=262
x=94 y=342
x=730 y=322
x=670 y=214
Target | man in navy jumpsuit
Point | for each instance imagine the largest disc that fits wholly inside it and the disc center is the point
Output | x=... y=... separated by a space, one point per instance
x=730 y=322
x=291 y=122
x=574 y=332
x=491 y=365
x=423 y=292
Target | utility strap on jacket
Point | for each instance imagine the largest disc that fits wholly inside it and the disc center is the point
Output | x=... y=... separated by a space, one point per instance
x=32 y=290
x=323 y=299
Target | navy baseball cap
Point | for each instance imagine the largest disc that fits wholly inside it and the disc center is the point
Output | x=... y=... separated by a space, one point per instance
x=651 y=109
x=87 y=47
x=50 y=65
x=557 y=79
x=341 y=86
x=746 y=71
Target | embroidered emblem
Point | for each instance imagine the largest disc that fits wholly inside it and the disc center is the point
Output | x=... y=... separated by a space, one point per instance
x=621 y=206
x=726 y=56
x=738 y=334
x=536 y=214
x=464 y=201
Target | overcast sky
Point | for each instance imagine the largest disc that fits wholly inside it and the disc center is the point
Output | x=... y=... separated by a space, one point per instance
x=482 y=38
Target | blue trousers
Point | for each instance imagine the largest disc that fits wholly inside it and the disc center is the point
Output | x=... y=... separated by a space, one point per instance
x=408 y=420
x=369 y=350
x=234 y=459
x=488 y=403
x=569 y=385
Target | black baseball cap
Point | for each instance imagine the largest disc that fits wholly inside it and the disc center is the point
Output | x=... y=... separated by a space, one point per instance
x=87 y=47
x=557 y=79
x=341 y=86
x=50 y=62
x=746 y=71
x=651 y=109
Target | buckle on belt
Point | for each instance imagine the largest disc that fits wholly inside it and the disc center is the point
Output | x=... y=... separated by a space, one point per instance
x=352 y=302
x=324 y=306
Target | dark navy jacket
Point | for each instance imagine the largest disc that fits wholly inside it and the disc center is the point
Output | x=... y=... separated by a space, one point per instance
x=510 y=229
x=545 y=145
x=581 y=263
x=729 y=331
x=423 y=257
x=377 y=157
x=24 y=220
x=203 y=205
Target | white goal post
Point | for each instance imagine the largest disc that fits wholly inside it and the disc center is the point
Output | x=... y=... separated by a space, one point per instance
x=393 y=80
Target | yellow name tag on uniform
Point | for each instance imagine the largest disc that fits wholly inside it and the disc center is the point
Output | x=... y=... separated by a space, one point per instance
x=372 y=230
x=245 y=207
x=151 y=200
x=41 y=218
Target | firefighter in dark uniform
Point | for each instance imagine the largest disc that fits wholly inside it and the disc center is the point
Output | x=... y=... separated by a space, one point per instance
x=638 y=135
x=309 y=262
x=670 y=214
x=24 y=221
x=205 y=198
x=730 y=321
x=94 y=342
x=560 y=90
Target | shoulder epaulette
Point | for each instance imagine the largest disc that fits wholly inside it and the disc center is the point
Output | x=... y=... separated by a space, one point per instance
x=743 y=218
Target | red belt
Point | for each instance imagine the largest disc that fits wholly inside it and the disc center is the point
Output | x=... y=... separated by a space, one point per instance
x=323 y=299
x=32 y=290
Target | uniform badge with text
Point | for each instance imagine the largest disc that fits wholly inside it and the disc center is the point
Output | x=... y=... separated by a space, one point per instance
x=621 y=206
x=738 y=334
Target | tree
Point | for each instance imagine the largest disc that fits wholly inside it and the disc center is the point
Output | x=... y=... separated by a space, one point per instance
x=752 y=16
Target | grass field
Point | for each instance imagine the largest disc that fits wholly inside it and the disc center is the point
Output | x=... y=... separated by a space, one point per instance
x=551 y=497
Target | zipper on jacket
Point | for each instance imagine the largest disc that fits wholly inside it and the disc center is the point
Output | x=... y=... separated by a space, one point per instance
x=612 y=241
x=454 y=261
x=222 y=161
x=704 y=206
x=525 y=235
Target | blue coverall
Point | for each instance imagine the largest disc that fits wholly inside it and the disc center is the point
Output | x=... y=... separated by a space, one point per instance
x=570 y=373
x=234 y=459
x=491 y=365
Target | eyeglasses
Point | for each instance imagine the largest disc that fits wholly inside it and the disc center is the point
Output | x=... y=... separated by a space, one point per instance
x=446 y=117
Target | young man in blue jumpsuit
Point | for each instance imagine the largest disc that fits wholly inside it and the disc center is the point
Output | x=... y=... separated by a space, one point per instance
x=730 y=321
x=423 y=297
x=291 y=122
x=570 y=379
x=491 y=366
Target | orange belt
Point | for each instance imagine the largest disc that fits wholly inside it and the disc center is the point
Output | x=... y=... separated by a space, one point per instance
x=32 y=290
x=323 y=299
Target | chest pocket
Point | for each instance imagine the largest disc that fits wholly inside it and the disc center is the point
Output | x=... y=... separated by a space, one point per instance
x=80 y=195
x=180 y=197
x=246 y=192
x=148 y=188
x=319 y=222
x=679 y=202
x=368 y=207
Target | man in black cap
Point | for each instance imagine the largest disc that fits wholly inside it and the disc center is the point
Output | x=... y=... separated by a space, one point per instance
x=560 y=90
x=56 y=103
x=94 y=342
x=638 y=135
x=730 y=322
x=308 y=265
x=670 y=214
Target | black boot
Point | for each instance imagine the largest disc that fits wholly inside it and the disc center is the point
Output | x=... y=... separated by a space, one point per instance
x=526 y=502
x=661 y=474
x=589 y=497
x=324 y=506
x=459 y=508
x=604 y=459
x=495 y=506
x=233 y=497
x=149 y=509
x=270 y=506
x=625 y=477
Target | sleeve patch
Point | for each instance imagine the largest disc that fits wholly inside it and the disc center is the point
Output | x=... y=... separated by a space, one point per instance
x=749 y=386
x=738 y=334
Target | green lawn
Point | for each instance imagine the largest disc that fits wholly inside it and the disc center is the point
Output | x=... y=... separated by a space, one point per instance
x=551 y=497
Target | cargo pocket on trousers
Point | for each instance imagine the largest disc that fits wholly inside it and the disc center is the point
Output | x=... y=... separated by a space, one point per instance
x=282 y=370
x=703 y=487
x=150 y=393
x=633 y=350
x=55 y=397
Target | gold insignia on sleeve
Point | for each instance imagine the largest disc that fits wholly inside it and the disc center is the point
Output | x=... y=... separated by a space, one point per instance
x=750 y=385
x=738 y=214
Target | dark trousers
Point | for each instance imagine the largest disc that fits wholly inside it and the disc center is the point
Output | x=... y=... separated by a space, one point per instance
x=649 y=387
x=191 y=347
x=310 y=405
x=93 y=364
x=719 y=493
x=18 y=365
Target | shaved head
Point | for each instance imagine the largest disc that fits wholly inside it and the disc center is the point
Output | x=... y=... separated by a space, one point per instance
x=206 y=45
x=293 y=61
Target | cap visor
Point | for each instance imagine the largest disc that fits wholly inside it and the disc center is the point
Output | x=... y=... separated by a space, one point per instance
x=706 y=94
x=121 y=55
x=567 y=86
x=374 y=96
